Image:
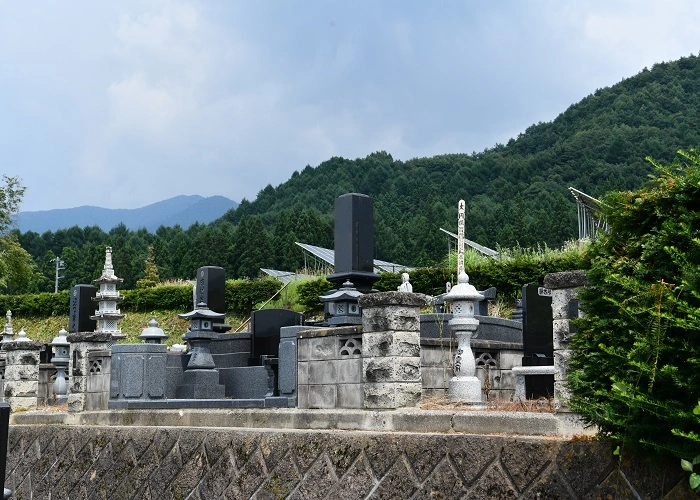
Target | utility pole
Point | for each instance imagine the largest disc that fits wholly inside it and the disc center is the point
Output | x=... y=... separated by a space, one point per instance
x=60 y=265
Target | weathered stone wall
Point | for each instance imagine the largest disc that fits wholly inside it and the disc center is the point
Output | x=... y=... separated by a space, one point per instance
x=61 y=462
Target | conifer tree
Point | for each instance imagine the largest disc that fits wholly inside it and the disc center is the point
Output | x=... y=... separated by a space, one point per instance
x=635 y=367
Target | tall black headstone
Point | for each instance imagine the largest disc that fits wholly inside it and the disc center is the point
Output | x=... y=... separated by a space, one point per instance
x=82 y=306
x=538 y=340
x=354 y=242
x=4 y=432
x=211 y=288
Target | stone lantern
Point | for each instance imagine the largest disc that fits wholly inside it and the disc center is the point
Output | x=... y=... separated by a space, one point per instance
x=342 y=307
x=464 y=385
x=201 y=379
x=60 y=359
x=153 y=334
x=8 y=333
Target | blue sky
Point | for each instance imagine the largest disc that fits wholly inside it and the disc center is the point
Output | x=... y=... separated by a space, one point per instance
x=124 y=103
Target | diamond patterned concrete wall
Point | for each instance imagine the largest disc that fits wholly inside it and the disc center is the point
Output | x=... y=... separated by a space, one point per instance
x=60 y=462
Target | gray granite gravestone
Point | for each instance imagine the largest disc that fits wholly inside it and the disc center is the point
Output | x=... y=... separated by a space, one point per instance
x=82 y=306
x=538 y=343
x=354 y=242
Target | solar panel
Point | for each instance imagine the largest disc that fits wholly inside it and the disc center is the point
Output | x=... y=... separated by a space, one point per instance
x=479 y=248
x=284 y=276
x=328 y=256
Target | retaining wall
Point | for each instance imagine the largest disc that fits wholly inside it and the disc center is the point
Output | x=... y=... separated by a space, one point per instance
x=202 y=463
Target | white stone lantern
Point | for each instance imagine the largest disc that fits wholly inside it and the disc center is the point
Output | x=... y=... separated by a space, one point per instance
x=8 y=333
x=60 y=359
x=464 y=386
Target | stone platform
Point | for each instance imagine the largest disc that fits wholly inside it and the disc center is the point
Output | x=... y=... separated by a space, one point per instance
x=404 y=420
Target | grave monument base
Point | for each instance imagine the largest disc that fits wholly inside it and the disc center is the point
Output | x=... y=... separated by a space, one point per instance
x=201 y=384
x=466 y=390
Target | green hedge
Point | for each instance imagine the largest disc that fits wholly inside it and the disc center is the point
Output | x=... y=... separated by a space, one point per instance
x=36 y=304
x=241 y=298
x=507 y=275
x=169 y=298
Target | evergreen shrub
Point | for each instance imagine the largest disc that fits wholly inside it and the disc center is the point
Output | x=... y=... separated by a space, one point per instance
x=635 y=367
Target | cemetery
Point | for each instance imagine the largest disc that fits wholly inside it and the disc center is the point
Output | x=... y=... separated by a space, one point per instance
x=302 y=409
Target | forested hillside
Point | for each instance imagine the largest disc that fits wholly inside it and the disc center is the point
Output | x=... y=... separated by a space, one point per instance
x=515 y=193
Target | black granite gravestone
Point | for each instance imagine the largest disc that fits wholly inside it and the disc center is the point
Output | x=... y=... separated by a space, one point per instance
x=82 y=307
x=354 y=242
x=211 y=288
x=265 y=331
x=4 y=432
x=538 y=342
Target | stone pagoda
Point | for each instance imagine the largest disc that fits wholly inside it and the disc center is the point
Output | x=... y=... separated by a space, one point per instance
x=107 y=315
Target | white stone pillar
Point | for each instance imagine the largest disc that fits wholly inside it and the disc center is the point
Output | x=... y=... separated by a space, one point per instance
x=565 y=287
x=22 y=374
x=391 y=374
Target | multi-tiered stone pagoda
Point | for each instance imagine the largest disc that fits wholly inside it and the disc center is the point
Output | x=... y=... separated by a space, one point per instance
x=108 y=315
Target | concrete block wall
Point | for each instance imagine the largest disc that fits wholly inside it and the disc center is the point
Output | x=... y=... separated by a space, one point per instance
x=329 y=368
x=494 y=359
x=47 y=376
x=89 y=371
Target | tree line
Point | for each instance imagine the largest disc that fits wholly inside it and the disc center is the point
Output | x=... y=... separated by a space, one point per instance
x=241 y=249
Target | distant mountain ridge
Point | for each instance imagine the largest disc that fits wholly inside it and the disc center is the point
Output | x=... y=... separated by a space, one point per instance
x=183 y=210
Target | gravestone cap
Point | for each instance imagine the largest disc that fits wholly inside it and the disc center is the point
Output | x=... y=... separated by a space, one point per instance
x=566 y=279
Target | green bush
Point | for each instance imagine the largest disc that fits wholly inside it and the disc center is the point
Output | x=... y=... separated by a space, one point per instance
x=635 y=367
x=310 y=291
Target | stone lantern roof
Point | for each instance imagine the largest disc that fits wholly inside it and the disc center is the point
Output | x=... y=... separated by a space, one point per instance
x=202 y=312
x=463 y=291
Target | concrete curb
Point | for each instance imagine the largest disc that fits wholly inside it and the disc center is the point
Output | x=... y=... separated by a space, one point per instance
x=406 y=420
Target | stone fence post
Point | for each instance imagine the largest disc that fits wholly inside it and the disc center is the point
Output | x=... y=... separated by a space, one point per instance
x=89 y=371
x=391 y=349
x=22 y=374
x=565 y=307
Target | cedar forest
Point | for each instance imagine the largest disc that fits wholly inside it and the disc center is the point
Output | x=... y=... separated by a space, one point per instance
x=516 y=193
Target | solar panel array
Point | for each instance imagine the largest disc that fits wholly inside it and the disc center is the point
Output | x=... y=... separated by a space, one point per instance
x=328 y=256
